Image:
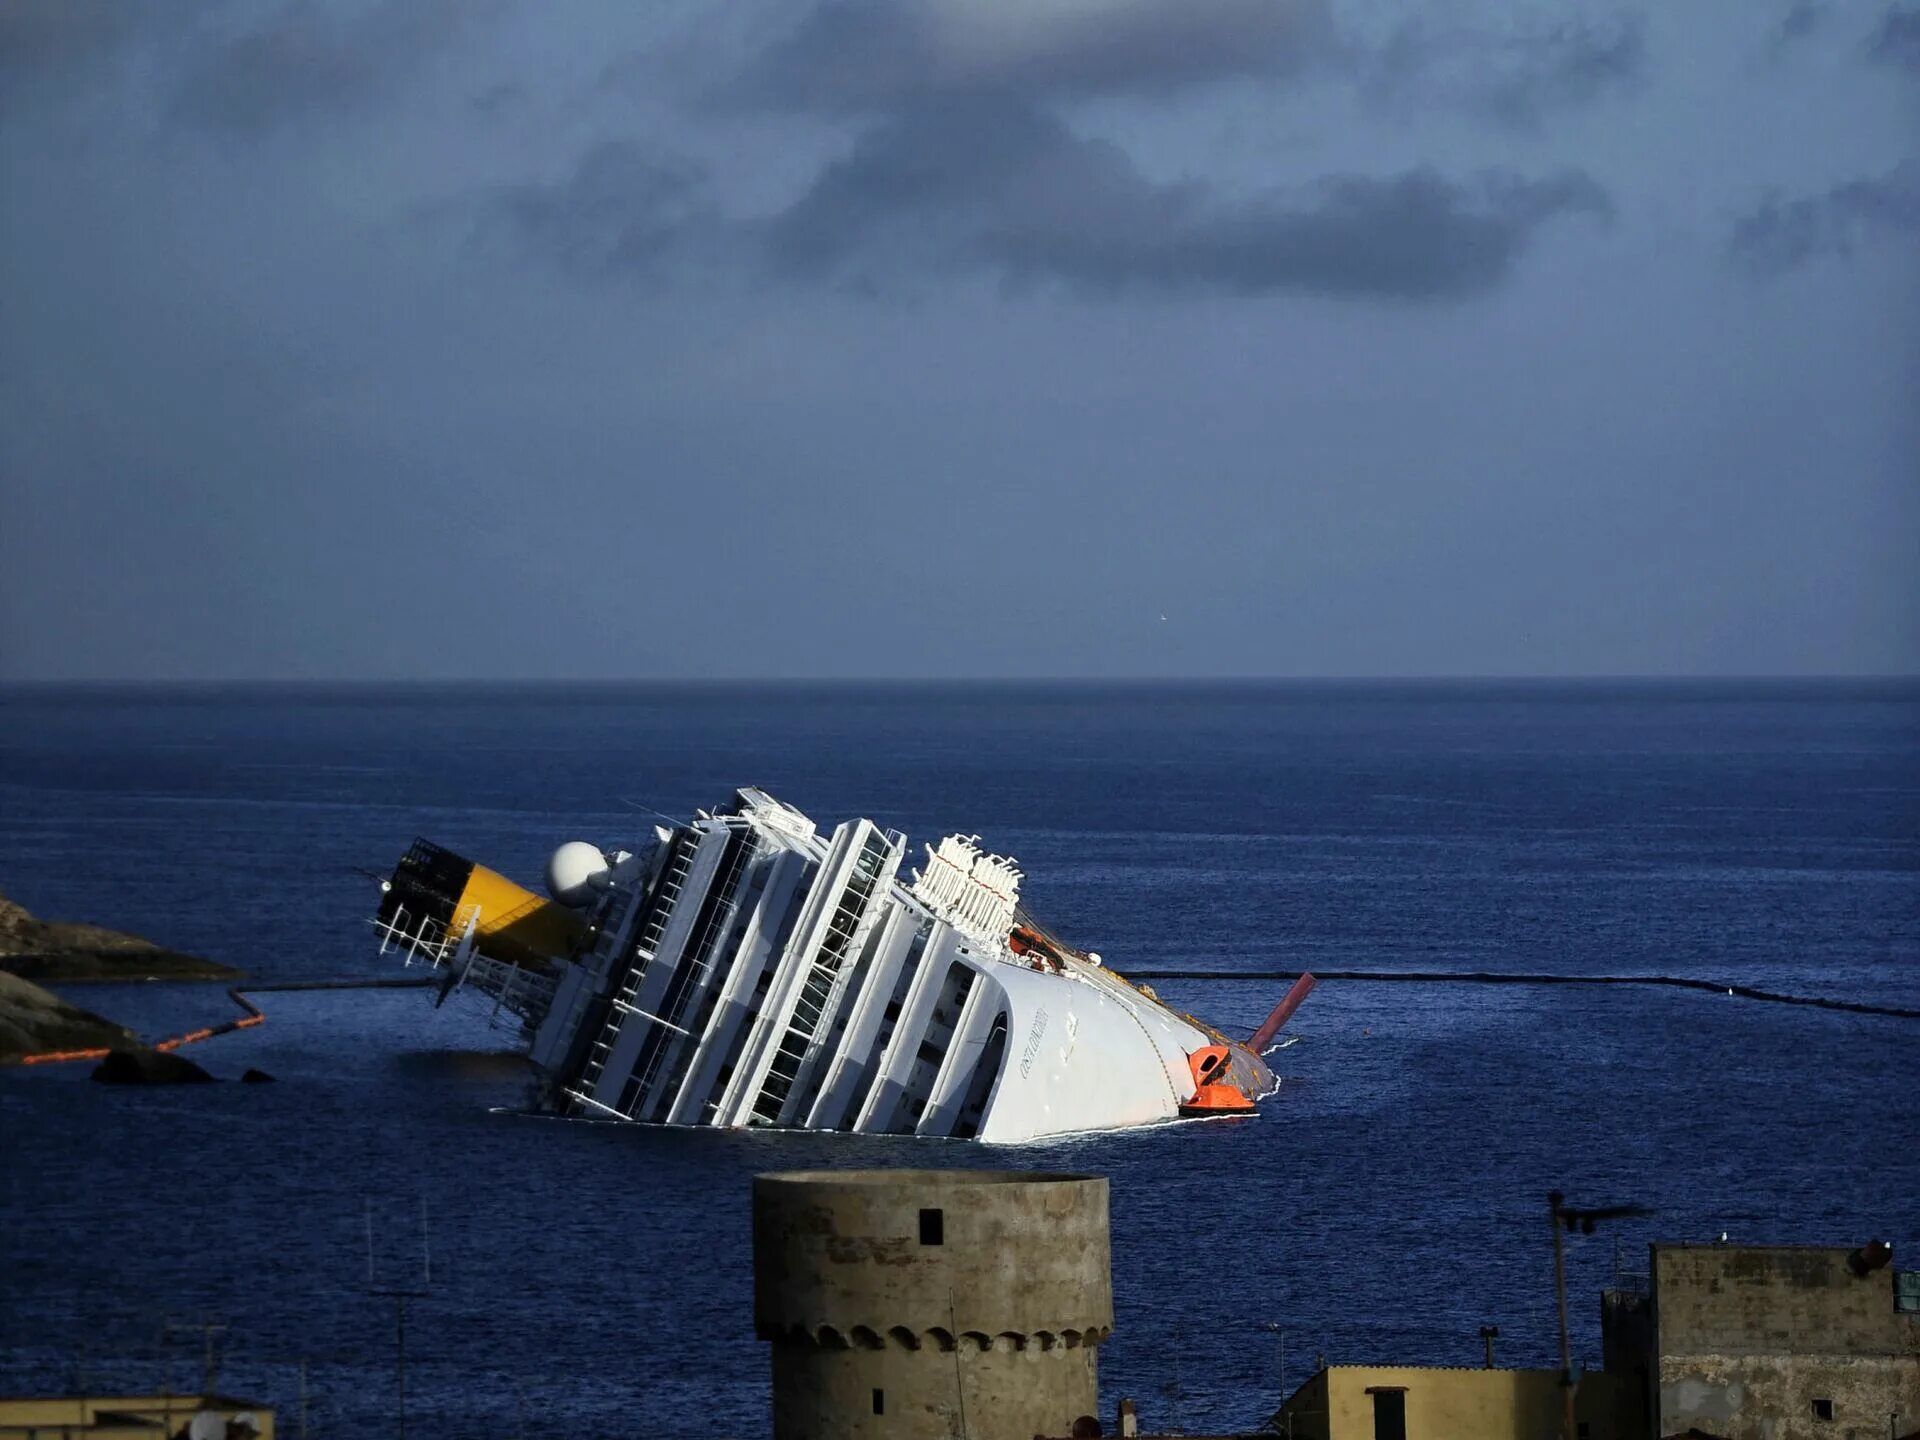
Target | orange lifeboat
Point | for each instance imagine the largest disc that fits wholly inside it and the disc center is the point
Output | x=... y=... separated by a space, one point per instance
x=1033 y=947
x=1210 y=1096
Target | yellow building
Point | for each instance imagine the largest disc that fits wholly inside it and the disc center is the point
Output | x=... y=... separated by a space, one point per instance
x=1418 y=1402
x=135 y=1417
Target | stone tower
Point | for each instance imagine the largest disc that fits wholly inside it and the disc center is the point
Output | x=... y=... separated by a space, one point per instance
x=931 y=1304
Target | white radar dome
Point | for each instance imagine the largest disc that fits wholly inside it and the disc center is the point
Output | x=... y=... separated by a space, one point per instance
x=576 y=873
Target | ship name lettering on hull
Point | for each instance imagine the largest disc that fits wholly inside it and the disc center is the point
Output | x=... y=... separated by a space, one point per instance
x=1032 y=1047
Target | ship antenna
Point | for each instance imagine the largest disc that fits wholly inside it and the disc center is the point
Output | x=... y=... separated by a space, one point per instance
x=631 y=803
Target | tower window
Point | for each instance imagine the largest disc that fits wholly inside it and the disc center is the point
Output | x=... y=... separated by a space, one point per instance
x=879 y=1402
x=1823 y=1409
x=933 y=1227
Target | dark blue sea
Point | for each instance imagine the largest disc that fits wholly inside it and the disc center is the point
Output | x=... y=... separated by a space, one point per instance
x=594 y=1280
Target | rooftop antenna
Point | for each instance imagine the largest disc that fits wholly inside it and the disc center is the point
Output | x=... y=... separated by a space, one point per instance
x=208 y=1326
x=1175 y=1393
x=1574 y=1220
x=80 y=1380
x=1279 y=1333
x=312 y=1397
x=166 y=1374
x=400 y=1295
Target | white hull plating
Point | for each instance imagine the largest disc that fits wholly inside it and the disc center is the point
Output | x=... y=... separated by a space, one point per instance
x=745 y=970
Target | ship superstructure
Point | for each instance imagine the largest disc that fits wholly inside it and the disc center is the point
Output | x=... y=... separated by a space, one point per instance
x=744 y=969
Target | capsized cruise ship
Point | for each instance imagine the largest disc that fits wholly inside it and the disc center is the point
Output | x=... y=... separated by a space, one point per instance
x=743 y=969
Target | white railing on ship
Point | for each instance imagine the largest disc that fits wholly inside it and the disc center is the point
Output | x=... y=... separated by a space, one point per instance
x=431 y=943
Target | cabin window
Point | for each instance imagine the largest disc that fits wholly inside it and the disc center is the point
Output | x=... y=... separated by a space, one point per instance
x=1389 y=1414
x=879 y=1402
x=933 y=1227
x=1823 y=1409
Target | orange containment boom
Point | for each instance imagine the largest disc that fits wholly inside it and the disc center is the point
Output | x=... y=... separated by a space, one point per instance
x=1282 y=1013
x=54 y=1057
x=192 y=1037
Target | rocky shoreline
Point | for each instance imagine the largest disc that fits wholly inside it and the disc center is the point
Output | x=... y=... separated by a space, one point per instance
x=64 y=953
x=34 y=1020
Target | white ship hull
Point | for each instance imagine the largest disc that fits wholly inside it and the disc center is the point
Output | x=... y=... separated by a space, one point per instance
x=745 y=970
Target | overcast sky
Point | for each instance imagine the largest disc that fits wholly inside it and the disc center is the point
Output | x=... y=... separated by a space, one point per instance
x=428 y=339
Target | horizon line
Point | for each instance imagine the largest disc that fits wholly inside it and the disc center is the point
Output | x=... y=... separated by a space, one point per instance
x=588 y=681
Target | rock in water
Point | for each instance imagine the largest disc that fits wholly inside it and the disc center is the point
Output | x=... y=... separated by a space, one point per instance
x=148 y=1067
x=256 y=1077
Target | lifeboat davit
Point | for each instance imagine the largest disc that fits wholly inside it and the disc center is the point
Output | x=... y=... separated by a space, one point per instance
x=1210 y=1097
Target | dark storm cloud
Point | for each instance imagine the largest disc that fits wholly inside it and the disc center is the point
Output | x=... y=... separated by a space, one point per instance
x=966 y=167
x=865 y=55
x=1801 y=20
x=310 y=58
x=871 y=56
x=1782 y=234
x=1513 y=79
x=623 y=211
x=1013 y=194
x=1896 y=39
